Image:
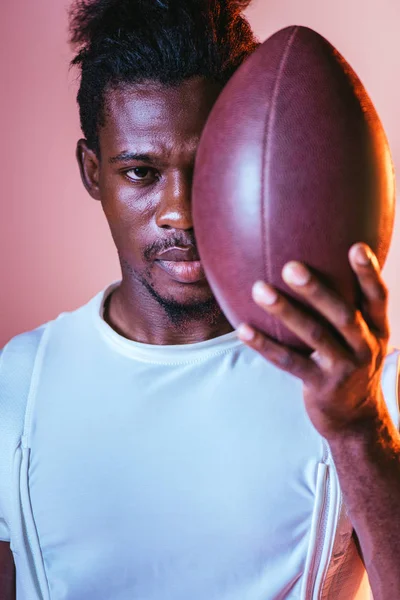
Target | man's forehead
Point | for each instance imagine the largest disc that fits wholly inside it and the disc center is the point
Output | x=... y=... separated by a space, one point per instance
x=156 y=116
x=142 y=106
x=129 y=139
x=155 y=150
x=152 y=102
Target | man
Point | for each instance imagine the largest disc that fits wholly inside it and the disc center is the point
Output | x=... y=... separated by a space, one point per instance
x=158 y=456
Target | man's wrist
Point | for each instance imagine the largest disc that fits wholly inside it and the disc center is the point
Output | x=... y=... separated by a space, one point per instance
x=373 y=437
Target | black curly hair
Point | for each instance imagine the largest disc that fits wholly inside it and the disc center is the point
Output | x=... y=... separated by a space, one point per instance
x=131 y=41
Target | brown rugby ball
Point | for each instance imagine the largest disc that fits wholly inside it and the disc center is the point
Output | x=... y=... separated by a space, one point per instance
x=293 y=164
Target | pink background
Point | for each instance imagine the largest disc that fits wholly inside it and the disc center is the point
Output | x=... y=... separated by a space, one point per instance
x=56 y=251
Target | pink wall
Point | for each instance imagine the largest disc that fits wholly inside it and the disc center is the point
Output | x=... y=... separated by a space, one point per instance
x=56 y=251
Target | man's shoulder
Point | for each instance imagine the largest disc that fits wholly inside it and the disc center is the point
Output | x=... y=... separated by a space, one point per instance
x=66 y=321
x=26 y=353
x=24 y=341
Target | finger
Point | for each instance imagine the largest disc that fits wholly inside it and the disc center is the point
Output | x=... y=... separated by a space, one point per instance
x=346 y=319
x=281 y=356
x=375 y=293
x=315 y=334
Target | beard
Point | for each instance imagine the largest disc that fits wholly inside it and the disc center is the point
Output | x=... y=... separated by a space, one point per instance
x=181 y=315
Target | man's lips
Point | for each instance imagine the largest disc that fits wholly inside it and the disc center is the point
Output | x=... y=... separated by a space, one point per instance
x=180 y=254
x=183 y=271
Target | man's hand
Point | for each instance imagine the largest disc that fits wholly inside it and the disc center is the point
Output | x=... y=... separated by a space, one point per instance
x=342 y=380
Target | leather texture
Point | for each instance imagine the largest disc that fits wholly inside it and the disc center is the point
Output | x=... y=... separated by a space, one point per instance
x=293 y=164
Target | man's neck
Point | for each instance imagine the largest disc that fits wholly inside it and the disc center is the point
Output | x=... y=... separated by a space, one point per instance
x=122 y=322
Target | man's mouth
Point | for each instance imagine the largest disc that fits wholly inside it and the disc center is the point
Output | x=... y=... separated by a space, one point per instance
x=183 y=271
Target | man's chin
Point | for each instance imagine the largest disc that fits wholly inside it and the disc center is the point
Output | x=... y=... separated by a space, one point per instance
x=185 y=303
x=196 y=297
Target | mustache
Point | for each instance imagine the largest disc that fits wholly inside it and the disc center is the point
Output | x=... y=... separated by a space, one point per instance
x=158 y=247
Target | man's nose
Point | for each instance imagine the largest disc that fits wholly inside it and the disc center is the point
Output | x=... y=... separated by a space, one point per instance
x=174 y=210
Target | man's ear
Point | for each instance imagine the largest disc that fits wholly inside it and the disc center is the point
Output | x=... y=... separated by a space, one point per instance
x=89 y=168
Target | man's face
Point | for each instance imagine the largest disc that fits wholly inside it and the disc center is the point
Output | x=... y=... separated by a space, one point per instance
x=147 y=149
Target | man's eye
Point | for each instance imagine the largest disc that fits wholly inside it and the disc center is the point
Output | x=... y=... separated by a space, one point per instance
x=140 y=173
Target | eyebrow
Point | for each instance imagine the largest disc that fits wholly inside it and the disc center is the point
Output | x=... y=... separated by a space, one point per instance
x=129 y=156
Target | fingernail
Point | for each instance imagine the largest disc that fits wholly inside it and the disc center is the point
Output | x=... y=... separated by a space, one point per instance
x=245 y=333
x=363 y=256
x=264 y=293
x=295 y=272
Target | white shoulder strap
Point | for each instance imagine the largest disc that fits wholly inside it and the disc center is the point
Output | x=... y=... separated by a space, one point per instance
x=16 y=366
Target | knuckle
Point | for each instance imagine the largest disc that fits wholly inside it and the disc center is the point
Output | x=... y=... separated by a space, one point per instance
x=348 y=368
x=285 y=310
x=386 y=330
x=316 y=333
x=314 y=289
x=382 y=293
x=285 y=359
x=348 y=317
x=264 y=344
x=282 y=357
x=366 y=354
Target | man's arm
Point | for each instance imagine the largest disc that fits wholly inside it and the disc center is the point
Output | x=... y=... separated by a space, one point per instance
x=343 y=397
x=368 y=467
x=355 y=537
x=7 y=573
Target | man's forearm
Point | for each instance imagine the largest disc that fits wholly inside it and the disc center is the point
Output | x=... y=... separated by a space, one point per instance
x=368 y=467
x=7 y=573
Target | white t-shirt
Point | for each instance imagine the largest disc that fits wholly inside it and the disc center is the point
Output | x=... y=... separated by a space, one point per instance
x=187 y=472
